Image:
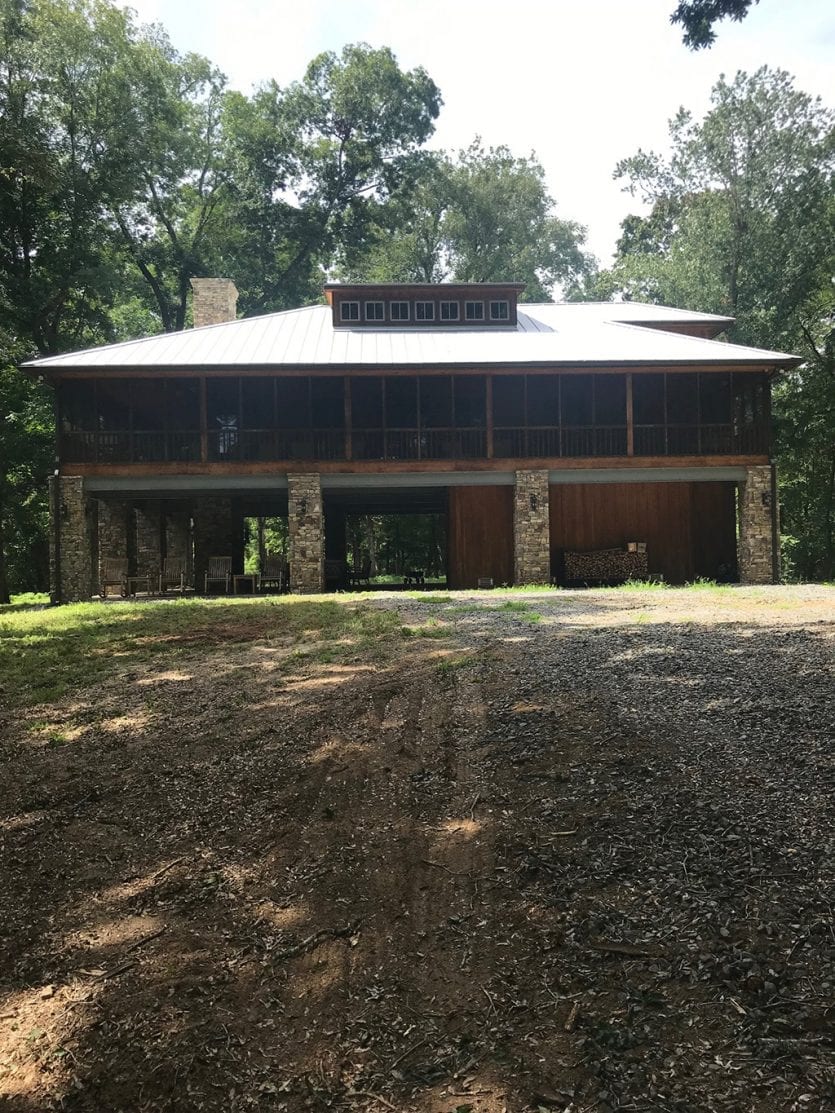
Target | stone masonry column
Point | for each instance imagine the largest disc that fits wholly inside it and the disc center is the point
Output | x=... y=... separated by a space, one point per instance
x=531 y=529
x=113 y=532
x=755 y=557
x=214 y=535
x=70 y=540
x=178 y=537
x=307 y=533
x=148 y=541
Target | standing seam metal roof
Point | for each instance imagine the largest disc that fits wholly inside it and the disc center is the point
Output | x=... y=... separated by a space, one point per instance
x=548 y=334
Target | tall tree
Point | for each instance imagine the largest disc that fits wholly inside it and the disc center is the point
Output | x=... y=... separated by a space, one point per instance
x=485 y=216
x=742 y=223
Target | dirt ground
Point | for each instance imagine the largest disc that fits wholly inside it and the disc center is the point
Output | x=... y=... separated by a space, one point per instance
x=568 y=851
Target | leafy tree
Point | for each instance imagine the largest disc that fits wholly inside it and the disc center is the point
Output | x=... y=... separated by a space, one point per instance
x=697 y=17
x=742 y=223
x=311 y=166
x=486 y=216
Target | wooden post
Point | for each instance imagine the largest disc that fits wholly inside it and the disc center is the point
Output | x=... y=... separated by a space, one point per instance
x=204 y=423
x=630 y=418
x=348 y=417
x=489 y=416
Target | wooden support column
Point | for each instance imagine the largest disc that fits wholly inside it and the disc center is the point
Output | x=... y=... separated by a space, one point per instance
x=630 y=417
x=204 y=423
x=489 y=416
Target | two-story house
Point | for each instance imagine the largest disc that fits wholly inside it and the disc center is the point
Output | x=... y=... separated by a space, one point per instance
x=537 y=430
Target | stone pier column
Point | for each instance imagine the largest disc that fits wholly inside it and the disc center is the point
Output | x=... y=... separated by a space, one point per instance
x=755 y=554
x=216 y=533
x=178 y=537
x=531 y=529
x=148 y=541
x=71 y=540
x=307 y=533
x=113 y=530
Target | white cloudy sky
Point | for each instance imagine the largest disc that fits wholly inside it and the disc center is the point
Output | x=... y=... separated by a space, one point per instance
x=580 y=82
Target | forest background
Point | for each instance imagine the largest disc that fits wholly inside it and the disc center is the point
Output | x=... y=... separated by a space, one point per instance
x=126 y=168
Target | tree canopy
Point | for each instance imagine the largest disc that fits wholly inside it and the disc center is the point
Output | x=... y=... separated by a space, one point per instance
x=697 y=18
x=742 y=223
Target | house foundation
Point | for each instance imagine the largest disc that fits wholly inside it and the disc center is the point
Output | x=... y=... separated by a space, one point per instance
x=71 y=540
x=756 y=555
x=531 y=529
x=307 y=533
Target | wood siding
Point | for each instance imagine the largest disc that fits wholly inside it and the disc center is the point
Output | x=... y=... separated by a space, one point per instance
x=480 y=531
x=689 y=528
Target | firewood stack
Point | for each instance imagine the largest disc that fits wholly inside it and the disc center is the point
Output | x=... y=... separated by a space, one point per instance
x=606 y=566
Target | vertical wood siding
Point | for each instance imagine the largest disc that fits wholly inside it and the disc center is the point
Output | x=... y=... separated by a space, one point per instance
x=689 y=528
x=480 y=535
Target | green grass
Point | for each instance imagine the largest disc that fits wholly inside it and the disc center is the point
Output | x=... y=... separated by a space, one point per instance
x=47 y=653
x=26 y=599
x=640 y=585
x=431 y=629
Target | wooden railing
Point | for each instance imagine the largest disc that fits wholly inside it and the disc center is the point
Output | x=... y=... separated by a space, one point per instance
x=135 y=446
x=700 y=440
x=250 y=445
x=577 y=440
x=418 y=444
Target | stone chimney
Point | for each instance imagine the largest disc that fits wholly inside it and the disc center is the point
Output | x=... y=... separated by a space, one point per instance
x=214 y=301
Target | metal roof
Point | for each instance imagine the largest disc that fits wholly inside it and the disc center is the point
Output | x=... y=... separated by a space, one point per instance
x=572 y=334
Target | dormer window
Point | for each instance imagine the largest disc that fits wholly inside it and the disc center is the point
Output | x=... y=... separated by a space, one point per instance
x=499 y=311
x=450 y=311
x=375 y=311
x=474 y=310
x=424 y=311
x=399 y=310
x=349 y=311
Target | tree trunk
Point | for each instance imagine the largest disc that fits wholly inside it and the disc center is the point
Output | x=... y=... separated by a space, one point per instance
x=4 y=583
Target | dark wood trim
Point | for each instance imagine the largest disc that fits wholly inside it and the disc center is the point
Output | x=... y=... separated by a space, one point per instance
x=591 y=368
x=406 y=467
x=630 y=417
x=204 y=422
x=488 y=403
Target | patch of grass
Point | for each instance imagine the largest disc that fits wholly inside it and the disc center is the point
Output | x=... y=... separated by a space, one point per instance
x=641 y=585
x=46 y=653
x=432 y=629
x=522 y=589
x=427 y=598
x=450 y=665
x=30 y=599
x=702 y=583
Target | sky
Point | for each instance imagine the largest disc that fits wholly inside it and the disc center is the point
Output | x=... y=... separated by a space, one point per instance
x=582 y=83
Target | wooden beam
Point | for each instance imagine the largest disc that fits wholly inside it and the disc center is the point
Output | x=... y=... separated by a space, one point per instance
x=407 y=467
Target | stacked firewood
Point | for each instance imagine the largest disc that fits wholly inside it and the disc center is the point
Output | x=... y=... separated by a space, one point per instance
x=605 y=566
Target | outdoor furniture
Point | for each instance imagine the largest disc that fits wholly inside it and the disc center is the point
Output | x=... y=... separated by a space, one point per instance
x=173 y=575
x=273 y=574
x=114 y=573
x=250 y=578
x=361 y=574
x=336 y=574
x=132 y=584
x=219 y=571
x=414 y=576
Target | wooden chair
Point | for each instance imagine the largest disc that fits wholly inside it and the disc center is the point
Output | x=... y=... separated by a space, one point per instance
x=273 y=574
x=173 y=575
x=362 y=573
x=219 y=572
x=114 y=573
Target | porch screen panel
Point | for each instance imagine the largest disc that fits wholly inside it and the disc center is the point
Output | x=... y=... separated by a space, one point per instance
x=79 y=422
x=542 y=416
x=327 y=402
x=610 y=437
x=367 y=439
x=715 y=412
x=223 y=400
x=258 y=419
x=470 y=414
x=509 y=432
x=401 y=413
